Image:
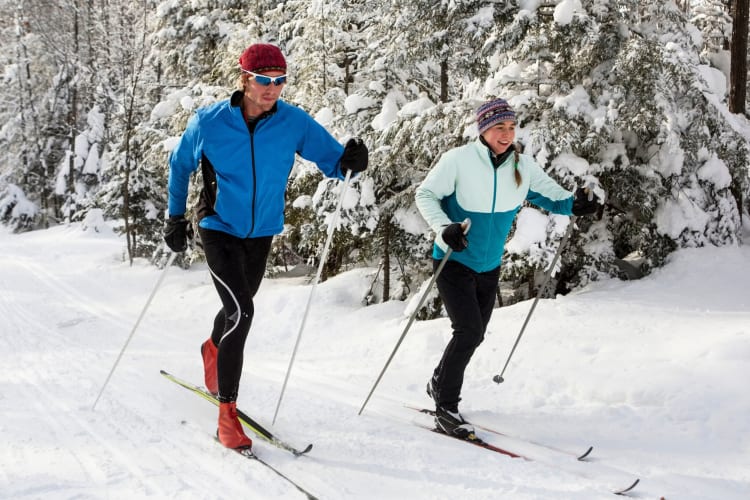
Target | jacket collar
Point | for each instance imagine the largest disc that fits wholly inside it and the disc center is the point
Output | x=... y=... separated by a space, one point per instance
x=498 y=159
x=236 y=101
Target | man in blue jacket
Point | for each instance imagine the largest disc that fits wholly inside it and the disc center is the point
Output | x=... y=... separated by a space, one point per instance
x=246 y=147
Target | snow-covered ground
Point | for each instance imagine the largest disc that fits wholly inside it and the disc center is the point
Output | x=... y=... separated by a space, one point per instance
x=652 y=373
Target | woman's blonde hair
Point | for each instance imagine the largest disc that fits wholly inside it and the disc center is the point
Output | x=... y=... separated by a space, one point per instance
x=516 y=159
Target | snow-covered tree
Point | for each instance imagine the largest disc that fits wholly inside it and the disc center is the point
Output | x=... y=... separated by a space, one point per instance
x=626 y=96
x=616 y=97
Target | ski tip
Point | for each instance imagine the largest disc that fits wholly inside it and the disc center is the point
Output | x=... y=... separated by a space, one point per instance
x=586 y=453
x=628 y=489
x=298 y=453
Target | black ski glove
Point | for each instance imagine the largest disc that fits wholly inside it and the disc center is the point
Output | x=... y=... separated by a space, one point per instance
x=454 y=237
x=176 y=233
x=355 y=156
x=585 y=202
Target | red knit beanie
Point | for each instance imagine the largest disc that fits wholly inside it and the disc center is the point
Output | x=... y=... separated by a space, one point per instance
x=262 y=57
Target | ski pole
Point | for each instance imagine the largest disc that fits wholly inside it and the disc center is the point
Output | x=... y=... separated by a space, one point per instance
x=413 y=316
x=323 y=258
x=135 y=327
x=498 y=379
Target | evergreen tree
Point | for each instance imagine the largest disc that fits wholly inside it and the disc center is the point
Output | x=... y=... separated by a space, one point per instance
x=192 y=55
x=608 y=94
x=324 y=54
x=712 y=18
x=629 y=103
x=24 y=189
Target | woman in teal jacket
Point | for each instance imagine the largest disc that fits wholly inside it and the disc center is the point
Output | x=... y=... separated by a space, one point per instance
x=246 y=147
x=485 y=181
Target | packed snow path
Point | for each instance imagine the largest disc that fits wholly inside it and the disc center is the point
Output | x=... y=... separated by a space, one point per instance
x=651 y=373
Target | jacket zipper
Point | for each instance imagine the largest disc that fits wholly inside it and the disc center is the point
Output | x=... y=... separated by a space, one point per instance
x=492 y=214
x=251 y=131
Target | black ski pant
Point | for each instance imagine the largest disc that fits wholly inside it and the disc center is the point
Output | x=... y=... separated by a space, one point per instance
x=469 y=298
x=237 y=266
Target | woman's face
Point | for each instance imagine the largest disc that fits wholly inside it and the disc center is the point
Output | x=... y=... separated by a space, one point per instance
x=500 y=136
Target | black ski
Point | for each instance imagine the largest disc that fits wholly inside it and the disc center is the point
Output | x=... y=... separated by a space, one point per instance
x=245 y=419
x=248 y=453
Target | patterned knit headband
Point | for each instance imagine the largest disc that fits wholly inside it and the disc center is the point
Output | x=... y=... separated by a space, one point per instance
x=494 y=112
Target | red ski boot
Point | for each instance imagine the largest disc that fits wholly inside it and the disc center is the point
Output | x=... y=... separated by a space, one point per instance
x=230 y=431
x=209 y=352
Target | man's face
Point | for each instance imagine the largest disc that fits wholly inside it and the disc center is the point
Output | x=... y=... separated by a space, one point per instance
x=500 y=136
x=261 y=98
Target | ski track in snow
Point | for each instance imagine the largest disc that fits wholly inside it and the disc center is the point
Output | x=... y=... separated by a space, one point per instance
x=605 y=366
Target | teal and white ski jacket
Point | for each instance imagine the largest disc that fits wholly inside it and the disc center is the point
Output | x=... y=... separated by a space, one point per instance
x=464 y=183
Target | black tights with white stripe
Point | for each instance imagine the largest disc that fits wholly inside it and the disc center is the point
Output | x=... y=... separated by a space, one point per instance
x=237 y=266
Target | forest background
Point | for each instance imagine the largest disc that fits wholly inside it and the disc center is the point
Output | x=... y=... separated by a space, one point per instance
x=643 y=101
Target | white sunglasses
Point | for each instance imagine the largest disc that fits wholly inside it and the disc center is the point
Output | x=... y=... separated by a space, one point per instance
x=267 y=80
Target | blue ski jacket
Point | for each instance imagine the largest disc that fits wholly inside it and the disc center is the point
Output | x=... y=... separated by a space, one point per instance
x=464 y=183
x=246 y=168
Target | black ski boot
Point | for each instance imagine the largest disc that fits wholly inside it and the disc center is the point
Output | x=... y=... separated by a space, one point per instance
x=450 y=422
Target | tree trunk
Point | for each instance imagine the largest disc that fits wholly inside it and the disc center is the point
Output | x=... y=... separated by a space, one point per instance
x=32 y=160
x=443 y=81
x=73 y=117
x=387 y=261
x=323 y=39
x=738 y=71
x=130 y=126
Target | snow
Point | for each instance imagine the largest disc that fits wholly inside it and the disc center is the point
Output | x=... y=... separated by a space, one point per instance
x=652 y=373
x=388 y=113
x=303 y=201
x=484 y=18
x=14 y=197
x=94 y=221
x=187 y=103
x=198 y=22
x=63 y=169
x=671 y=157
x=531 y=230
x=715 y=171
x=367 y=192
x=168 y=107
x=81 y=146
x=164 y=109
x=578 y=104
x=673 y=216
x=91 y=166
x=565 y=10
x=354 y=103
x=417 y=107
x=575 y=164
x=715 y=79
x=410 y=220
x=325 y=116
